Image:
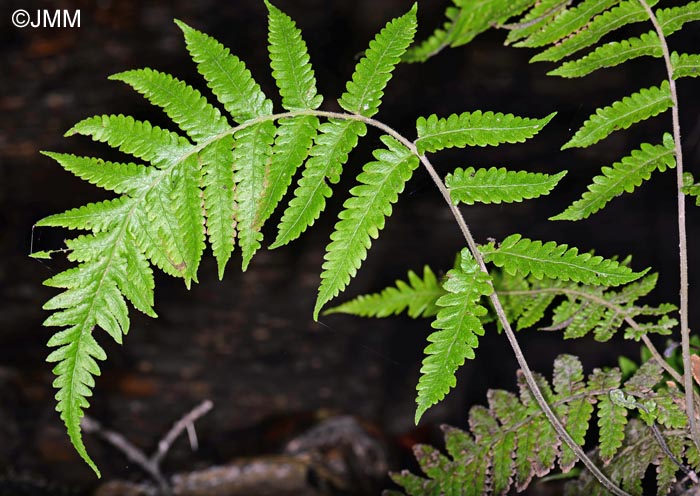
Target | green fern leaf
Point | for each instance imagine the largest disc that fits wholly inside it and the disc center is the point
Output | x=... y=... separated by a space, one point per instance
x=337 y=138
x=121 y=178
x=440 y=39
x=416 y=297
x=627 y=12
x=365 y=90
x=204 y=124
x=137 y=138
x=364 y=215
x=335 y=141
x=537 y=18
x=621 y=115
x=458 y=326
x=518 y=255
x=465 y=20
x=685 y=65
x=610 y=55
x=475 y=129
x=622 y=176
x=673 y=18
x=294 y=139
x=612 y=417
x=251 y=156
x=289 y=60
x=568 y=22
x=227 y=77
x=295 y=79
x=235 y=88
x=498 y=185
x=568 y=381
x=173 y=202
x=95 y=217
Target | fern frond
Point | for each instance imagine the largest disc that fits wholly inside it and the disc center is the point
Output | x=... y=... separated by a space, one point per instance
x=537 y=18
x=332 y=145
x=231 y=82
x=518 y=255
x=475 y=129
x=627 y=12
x=685 y=65
x=251 y=156
x=568 y=22
x=621 y=115
x=496 y=185
x=203 y=123
x=465 y=20
x=622 y=176
x=137 y=138
x=610 y=55
x=416 y=297
x=226 y=75
x=458 y=326
x=337 y=138
x=364 y=92
x=363 y=216
x=121 y=178
x=510 y=442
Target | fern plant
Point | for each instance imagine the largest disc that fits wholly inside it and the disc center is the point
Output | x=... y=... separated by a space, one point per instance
x=219 y=178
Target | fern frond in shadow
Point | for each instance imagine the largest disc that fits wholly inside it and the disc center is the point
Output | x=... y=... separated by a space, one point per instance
x=510 y=442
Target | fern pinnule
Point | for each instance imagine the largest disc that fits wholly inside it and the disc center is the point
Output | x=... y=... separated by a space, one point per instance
x=626 y=12
x=672 y=19
x=134 y=137
x=290 y=62
x=622 y=176
x=496 y=185
x=685 y=65
x=294 y=76
x=458 y=326
x=364 y=216
x=538 y=17
x=337 y=138
x=475 y=129
x=568 y=22
x=518 y=255
x=416 y=297
x=365 y=90
x=622 y=114
x=610 y=55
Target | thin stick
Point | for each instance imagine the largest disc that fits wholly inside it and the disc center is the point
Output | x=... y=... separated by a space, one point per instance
x=682 y=238
x=149 y=465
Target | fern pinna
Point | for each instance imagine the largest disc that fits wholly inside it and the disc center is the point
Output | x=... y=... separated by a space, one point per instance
x=220 y=179
x=510 y=442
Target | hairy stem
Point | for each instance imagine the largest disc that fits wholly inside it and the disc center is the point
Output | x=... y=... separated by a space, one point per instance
x=682 y=239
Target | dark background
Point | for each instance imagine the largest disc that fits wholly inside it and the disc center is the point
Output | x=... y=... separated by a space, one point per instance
x=249 y=343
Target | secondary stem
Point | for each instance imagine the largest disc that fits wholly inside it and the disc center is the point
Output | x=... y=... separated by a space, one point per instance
x=471 y=243
x=682 y=238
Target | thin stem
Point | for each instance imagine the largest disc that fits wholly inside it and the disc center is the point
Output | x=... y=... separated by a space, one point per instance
x=519 y=356
x=682 y=238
